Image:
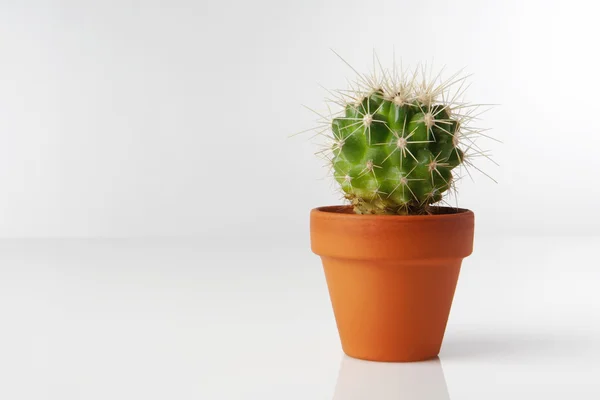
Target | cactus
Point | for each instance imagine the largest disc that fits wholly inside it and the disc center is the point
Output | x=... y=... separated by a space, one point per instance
x=397 y=141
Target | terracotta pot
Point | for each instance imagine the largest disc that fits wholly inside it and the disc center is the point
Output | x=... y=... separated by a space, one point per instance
x=391 y=278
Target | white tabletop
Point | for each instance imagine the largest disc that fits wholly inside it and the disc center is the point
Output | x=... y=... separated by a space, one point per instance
x=201 y=319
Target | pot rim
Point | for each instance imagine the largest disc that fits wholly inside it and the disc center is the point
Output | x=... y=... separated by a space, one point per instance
x=341 y=211
x=337 y=232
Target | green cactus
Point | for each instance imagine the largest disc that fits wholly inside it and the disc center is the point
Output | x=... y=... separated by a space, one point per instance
x=397 y=141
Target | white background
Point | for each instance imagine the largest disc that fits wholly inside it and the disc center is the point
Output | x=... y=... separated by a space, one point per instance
x=154 y=212
x=172 y=118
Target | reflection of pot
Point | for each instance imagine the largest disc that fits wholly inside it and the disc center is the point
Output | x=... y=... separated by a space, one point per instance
x=391 y=278
x=362 y=380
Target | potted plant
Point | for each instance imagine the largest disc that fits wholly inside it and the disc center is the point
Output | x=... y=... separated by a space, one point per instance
x=392 y=256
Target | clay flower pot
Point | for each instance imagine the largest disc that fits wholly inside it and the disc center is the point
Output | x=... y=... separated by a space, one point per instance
x=391 y=278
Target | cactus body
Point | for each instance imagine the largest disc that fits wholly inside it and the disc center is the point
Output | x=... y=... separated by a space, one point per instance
x=396 y=141
x=394 y=157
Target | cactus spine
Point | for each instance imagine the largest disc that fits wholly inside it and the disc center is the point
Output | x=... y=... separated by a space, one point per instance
x=397 y=142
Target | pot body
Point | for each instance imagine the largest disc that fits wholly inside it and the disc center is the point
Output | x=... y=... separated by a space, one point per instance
x=391 y=278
